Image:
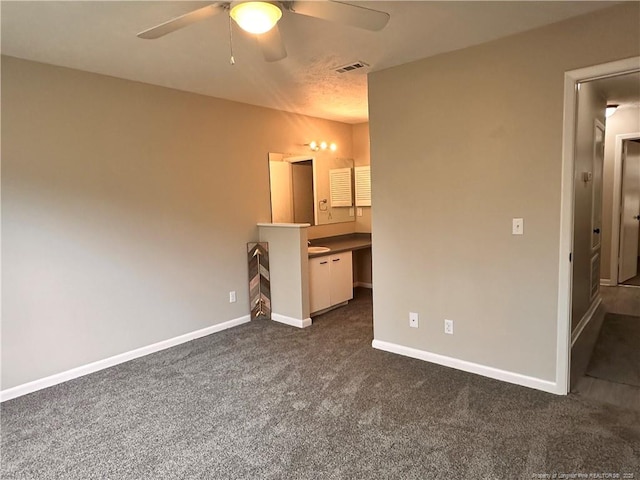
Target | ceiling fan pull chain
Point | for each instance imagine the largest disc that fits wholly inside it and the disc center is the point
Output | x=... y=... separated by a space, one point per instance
x=232 y=60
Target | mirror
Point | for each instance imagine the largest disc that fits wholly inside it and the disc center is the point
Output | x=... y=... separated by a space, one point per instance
x=291 y=183
x=314 y=189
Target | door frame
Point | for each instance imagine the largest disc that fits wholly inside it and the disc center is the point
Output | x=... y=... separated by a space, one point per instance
x=565 y=271
x=617 y=205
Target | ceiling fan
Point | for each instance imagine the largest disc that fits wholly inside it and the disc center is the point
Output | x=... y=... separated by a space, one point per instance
x=261 y=18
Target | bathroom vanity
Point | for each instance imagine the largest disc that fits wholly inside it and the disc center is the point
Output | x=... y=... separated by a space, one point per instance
x=309 y=192
x=331 y=272
x=309 y=280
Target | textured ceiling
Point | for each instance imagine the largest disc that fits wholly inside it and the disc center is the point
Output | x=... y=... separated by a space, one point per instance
x=100 y=37
x=623 y=90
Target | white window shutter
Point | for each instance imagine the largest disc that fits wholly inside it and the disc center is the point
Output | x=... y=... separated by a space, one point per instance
x=340 y=187
x=363 y=186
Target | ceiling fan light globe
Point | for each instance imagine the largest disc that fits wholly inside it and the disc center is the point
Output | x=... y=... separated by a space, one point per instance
x=256 y=17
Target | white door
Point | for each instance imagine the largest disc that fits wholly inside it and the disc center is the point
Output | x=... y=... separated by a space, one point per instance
x=630 y=211
x=281 y=194
x=596 y=208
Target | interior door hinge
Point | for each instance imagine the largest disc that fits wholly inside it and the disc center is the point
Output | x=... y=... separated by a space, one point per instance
x=570 y=256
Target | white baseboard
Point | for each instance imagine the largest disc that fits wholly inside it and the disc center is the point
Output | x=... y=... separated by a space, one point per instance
x=495 y=373
x=607 y=282
x=294 y=322
x=363 y=284
x=61 y=377
x=584 y=321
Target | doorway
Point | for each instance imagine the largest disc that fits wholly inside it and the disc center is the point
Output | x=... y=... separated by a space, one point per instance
x=579 y=210
x=629 y=234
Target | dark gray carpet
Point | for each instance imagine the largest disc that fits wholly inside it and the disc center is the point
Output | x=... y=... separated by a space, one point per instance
x=616 y=355
x=267 y=401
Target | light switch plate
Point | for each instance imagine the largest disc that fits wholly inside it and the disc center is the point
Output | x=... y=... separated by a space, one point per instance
x=518 y=226
x=351 y=212
x=359 y=210
x=413 y=319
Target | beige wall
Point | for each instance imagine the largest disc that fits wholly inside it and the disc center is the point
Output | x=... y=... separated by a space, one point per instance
x=288 y=270
x=126 y=209
x=625 y=120
x=591 y=106
x=461 y=143
x=331 y=230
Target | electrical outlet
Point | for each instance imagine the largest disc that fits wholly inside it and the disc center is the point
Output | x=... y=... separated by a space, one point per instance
x=359 y=211
x=413 y=320
x=448 y=327
x=351 y=213
x=232 y=297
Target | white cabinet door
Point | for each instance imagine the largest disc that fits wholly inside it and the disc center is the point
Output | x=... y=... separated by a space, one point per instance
x=319 y=283
x=341 y=278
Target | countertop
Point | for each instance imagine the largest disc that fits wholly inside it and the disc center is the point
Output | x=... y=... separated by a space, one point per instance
x=342 y=243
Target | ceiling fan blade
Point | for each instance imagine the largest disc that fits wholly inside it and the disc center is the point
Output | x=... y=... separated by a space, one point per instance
x=272 y=45
x=345 y=13
x=182 y=21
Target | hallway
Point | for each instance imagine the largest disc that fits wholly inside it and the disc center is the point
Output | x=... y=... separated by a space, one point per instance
x=613 y=373
x=634 y=281
x=622 y=299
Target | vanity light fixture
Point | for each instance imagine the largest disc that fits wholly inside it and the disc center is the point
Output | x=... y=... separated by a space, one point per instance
x=611 y=109
x=255 y=17
x=315 y=146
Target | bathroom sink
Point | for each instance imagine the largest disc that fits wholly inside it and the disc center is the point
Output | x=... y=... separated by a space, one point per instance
x=318 y=249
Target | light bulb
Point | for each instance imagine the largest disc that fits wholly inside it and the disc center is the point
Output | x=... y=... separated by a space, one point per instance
x=323 y=145
x=313 y=145
x=611 y=109
x=256 y=17
x=333 y=147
